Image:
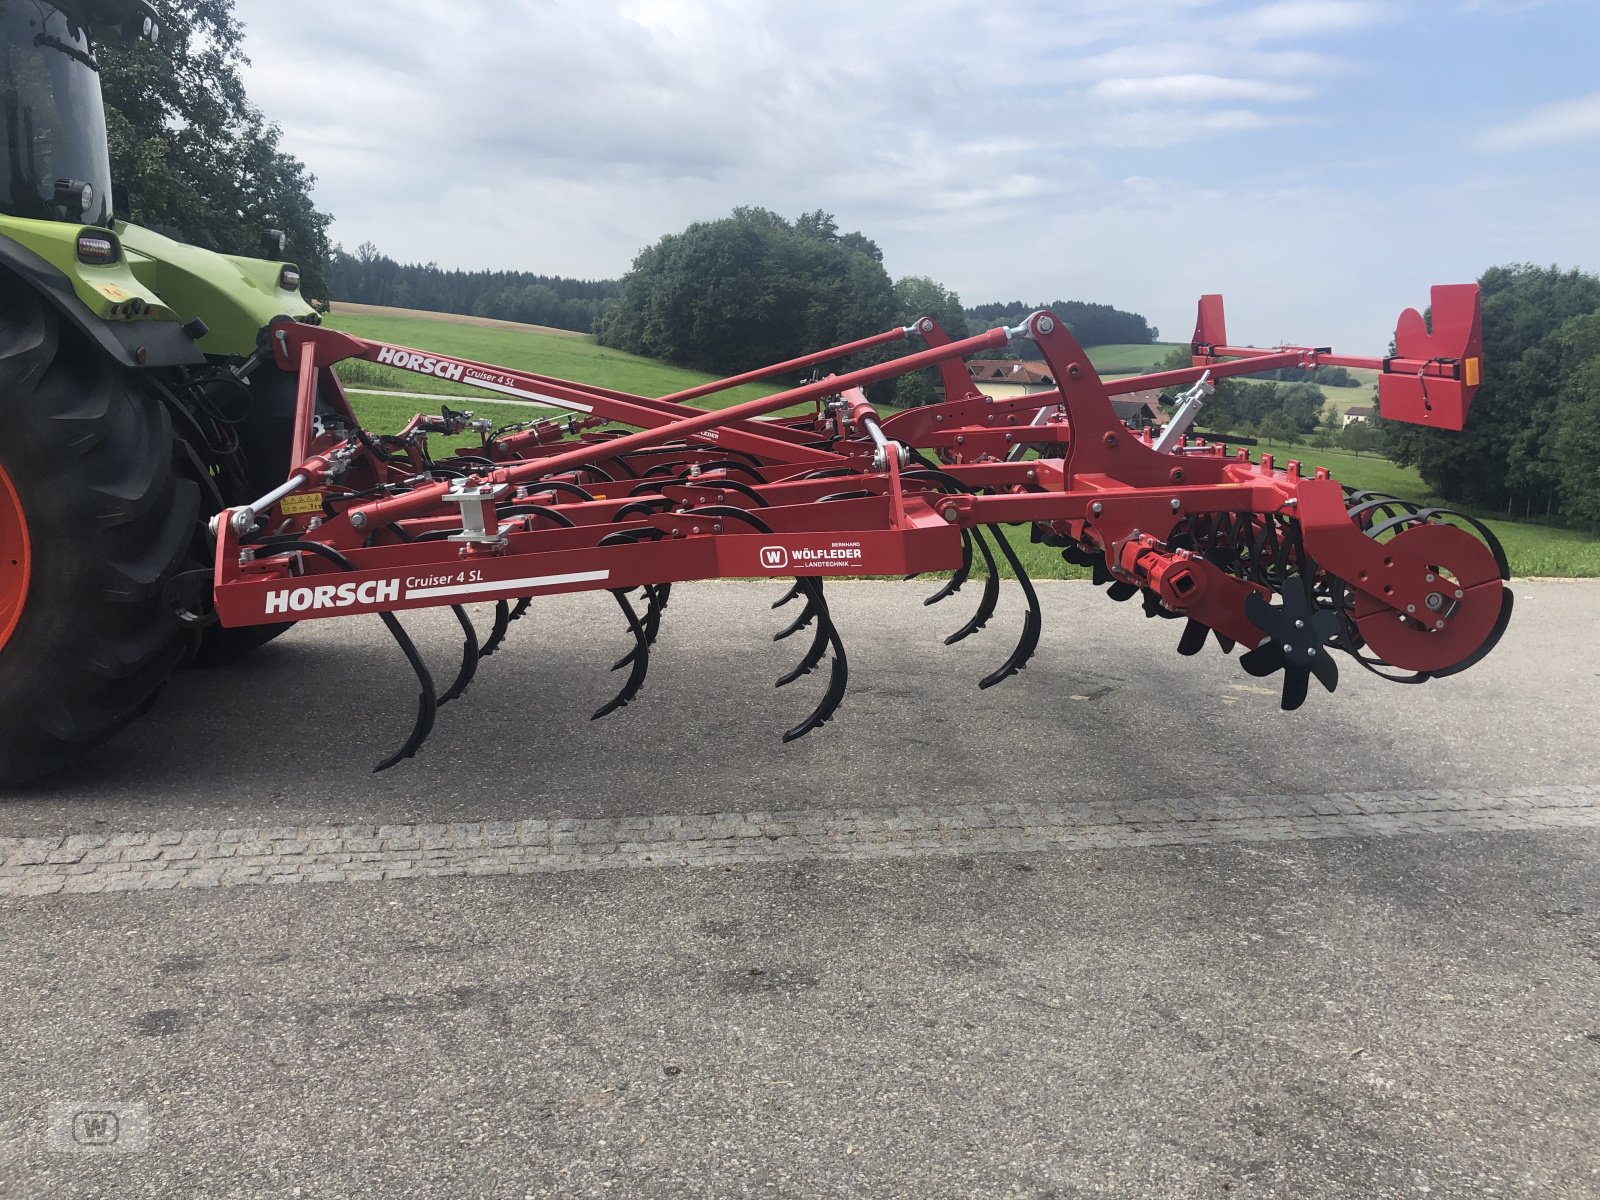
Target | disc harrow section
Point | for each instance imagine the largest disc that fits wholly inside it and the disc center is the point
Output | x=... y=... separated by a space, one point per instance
x=604 y=490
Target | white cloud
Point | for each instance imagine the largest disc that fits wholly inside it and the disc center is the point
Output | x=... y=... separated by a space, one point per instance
x=1195 y=89
x=1563 y=121
x=1290 y=19
x=1125 y=153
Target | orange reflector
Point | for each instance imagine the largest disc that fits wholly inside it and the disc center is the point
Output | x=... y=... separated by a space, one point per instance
x=1472 y=372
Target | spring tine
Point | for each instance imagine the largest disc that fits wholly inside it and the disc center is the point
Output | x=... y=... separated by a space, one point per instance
x=521 y=609
x=502 y=626
x=427 y=703
x=960 y=577
x=641 y=660
x=1194 y=638
x=807 y=615
x=991 y=594
x=469 y=658
x=655 y=597
x=817 y=604
x=838 y=676
x=1120 y=591
x=1032 y=623
x=787 y=596
x=1227 y=643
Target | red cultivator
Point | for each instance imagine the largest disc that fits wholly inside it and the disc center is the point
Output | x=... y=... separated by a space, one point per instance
x=1292 y=565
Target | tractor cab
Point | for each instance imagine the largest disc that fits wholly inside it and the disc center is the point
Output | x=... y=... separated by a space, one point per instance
x=55 y=165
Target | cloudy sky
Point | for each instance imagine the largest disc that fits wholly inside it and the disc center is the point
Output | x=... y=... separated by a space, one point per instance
x=1320 y=162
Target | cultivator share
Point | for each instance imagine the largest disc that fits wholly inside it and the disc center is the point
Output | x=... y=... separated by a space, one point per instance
x=634 y=495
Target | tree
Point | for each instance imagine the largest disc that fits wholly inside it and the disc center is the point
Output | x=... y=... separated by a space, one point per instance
x=1577 y=435
x=371 y=277
x=1508 y=456
x=1091 y=324
x=199 y=160
x=1360 y=436
x=1300 y=404
x=1329 y=430
x=748 y=290
x=917 y=296
x=1277 y=426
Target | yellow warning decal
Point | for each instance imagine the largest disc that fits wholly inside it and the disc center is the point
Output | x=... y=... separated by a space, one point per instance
x=291 y=506
x=1472 y=372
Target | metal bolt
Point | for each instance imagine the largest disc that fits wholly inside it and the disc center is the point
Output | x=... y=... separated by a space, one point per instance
x=1177 y=505
x=1097 y=508
x=1438 y=624
x=960 y=441
x=1111 y=439
x=1046 y=323
x=1428 y=578
x=1299 y=624
x=1032 y=474
x=951 y=515
x=1288 y=649
x=694 y=529
x=1460 y=594
x=1411 y=608
x=1434 y=601
x=358 y=520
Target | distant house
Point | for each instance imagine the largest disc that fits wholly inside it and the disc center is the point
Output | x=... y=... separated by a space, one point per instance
x=1138 y=411
x=1004 y=378
x=1358 y=413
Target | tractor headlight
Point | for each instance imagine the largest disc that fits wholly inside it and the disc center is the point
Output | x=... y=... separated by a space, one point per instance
x=289 y=279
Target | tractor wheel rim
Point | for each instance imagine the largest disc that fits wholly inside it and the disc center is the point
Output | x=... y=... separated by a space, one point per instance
x=16 y=558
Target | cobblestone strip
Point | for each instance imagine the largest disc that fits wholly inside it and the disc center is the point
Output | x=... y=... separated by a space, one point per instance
x=209 y=858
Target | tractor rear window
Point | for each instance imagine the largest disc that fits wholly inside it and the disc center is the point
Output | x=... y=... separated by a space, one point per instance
x=53 y=117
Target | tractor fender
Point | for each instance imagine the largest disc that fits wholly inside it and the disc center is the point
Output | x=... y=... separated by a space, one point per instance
x=129 y=343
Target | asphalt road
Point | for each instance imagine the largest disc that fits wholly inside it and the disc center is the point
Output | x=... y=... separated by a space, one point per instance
x=1118 y=927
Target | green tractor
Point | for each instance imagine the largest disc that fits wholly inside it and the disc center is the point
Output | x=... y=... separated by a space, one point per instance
x=135 y=402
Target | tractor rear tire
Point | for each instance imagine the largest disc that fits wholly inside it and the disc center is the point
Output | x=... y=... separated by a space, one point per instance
x=267 y=433
x=94 y=522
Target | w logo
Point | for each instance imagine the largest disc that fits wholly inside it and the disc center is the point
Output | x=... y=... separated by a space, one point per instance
x=774 y=558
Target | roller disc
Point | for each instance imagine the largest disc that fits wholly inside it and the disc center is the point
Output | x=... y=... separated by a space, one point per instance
x=1475 y=603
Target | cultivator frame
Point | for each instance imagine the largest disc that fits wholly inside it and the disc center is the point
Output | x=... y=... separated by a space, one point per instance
x=1291 y=564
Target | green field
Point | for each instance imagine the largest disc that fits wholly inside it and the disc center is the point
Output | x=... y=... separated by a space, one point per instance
x=546 y=354
x=1133 y=359
x=1532 y=549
